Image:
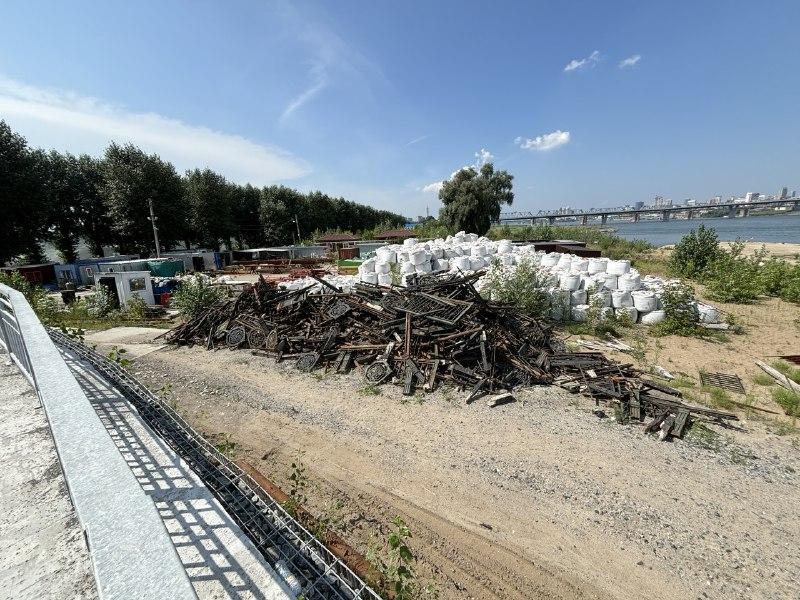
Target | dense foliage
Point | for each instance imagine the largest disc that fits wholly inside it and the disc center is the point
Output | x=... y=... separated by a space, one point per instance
x=695 y=252
x=65 y=199
x=195 y=295
x=471 y=199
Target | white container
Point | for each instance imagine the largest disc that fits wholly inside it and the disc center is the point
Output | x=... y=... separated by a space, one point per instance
x=629 y=282
x=570 y=282
x=618 y=267
x=621 y=299
x=644 y=301
x=597 y=265
x=578 y=297
x=653 y=318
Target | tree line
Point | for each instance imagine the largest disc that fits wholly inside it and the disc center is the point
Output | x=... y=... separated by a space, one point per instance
x=63 y=199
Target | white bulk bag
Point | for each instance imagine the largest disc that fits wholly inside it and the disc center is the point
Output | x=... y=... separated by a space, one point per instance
x=385 y=279
x=708 y=313
x=629 y=282
x=423 y=267
x=368 y=266
x=369 y=277
x=597 y=265
x=570 y=282
x=621 y=299
x=407 y=268
x=579 y=313
x=629 y=310
x=579 y=265
x=578 y=297
x=382 y=267
x=618 y=267
x=610 y=281
x=604 y=297
x=644 y=301
x=654 y=317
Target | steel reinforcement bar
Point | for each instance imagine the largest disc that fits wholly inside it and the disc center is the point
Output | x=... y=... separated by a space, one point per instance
x=277 y=535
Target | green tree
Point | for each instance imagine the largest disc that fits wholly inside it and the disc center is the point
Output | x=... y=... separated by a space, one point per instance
x=131 y=178
x=246 y=216
x=210 y=205
x=695 y=252
x=65 y=201
x=22 y=195
x=96 y=227
x=279 y=205
x=472 y=200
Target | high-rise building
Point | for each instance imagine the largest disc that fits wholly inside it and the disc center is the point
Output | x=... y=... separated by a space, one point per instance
x=715 y=200
x=751 y=196
x=783 y=194
x=661 y=202
x=638 y=205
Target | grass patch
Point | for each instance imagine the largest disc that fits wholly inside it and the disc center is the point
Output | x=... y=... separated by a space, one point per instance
x=718 y=397
x=682 y=382
x=788 y=400
x=370 y=390
x=763 y=379
x=786 y=369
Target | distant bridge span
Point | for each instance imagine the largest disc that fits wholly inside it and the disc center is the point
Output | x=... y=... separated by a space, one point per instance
x=733 y=210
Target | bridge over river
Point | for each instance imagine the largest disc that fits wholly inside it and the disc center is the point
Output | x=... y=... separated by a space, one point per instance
x=735 y=209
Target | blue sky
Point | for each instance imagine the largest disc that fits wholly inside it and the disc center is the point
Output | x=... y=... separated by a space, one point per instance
x=378 y=101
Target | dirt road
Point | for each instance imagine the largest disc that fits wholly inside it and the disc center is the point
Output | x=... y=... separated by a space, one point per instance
x=537 y=499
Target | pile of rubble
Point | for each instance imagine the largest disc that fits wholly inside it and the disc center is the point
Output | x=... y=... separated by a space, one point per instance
x=574 y=283
x=437 y=330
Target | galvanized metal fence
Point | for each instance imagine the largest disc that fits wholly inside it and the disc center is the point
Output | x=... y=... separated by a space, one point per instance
x=11 y=339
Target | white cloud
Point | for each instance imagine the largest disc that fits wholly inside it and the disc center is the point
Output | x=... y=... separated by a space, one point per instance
x=433 y=187
x=630 y=61
x=319 y=80
x=482 y=157
x=71 y=122
x=580 y=63
x=421 y=138
x=545 y=142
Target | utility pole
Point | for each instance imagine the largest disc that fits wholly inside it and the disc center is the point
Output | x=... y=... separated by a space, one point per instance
x=153 y=219
x=297 y=223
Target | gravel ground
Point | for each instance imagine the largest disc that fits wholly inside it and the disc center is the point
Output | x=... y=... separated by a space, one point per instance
x=42 y=549
x=536 y=499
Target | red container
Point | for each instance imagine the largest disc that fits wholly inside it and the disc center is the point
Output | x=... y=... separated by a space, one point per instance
x=164 y=300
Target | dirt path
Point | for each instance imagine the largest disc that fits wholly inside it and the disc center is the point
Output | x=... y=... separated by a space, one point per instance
x=537 y=499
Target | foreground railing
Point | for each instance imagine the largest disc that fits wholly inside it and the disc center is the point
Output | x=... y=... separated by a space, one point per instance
x=11 y=338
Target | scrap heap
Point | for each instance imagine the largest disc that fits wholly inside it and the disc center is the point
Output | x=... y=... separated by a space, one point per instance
x=437 y=330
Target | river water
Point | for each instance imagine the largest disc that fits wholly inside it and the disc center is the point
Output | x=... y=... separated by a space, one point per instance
x=768 y=228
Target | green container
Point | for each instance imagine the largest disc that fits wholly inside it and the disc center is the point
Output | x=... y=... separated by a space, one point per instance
x=165 y=268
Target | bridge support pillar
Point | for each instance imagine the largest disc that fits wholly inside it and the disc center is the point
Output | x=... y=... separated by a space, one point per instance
x=603 y=219
x=584 y=219
x=732 y=210
x=532 y=222
x=690 y=215
x=551 y=220
x=745 y=211
x=665 y=215
x=796 y=206
x=636 y=217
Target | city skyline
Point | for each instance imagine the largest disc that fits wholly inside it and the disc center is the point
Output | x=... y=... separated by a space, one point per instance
x=381 y=103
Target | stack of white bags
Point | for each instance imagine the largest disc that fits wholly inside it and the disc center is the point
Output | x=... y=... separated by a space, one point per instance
x=576 y=283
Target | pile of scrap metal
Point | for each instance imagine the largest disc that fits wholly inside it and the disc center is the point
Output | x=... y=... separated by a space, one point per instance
x=437 y=330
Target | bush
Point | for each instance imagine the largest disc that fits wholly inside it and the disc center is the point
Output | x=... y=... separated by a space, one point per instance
x=789 y=401
x=34 y=294
x=101 y=303
x=695 y=252
x=195 y=295
x=136 y=309
x=790 y=291
x=680 y=307
x=524 y=286
x=732 y=277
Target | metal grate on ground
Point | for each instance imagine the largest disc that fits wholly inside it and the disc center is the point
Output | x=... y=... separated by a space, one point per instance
x=721 y=380
x=276 y=534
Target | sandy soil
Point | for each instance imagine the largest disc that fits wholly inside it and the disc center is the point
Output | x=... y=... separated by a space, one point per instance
x=778 y=249
x=536 y=499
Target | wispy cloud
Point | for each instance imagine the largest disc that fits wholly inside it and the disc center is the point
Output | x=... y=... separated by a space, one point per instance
x=421 y=138
x=69 y=121
x=330 y=56
x=630 y=61
x=545 y=142
x=581 y=63
x=481 y=158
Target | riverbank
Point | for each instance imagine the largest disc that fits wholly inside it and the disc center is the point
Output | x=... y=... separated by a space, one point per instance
x=785 y=250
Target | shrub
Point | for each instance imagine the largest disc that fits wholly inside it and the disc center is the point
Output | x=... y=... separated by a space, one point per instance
x=732 y=277
x=680 y=308
x=524 y=286
x=790 y=290
x=195 y=295
x=101 y=303
x=695 y=252
x=136 y=309
x=789 y=401
x=33 y=293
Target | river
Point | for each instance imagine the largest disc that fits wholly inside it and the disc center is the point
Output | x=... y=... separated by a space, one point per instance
x=767 y=228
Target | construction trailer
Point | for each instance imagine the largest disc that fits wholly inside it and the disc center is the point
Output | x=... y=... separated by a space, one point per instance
x=43 y=274
x=197 y=260
x=126 y=285
x=83 y=272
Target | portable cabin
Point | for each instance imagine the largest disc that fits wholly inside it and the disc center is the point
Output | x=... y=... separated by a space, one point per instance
x=126 y=285
x=43 y=274
x=82 y=272
x=165 y=267
x=124 y=265
x=197 y=260
x=335 y=242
